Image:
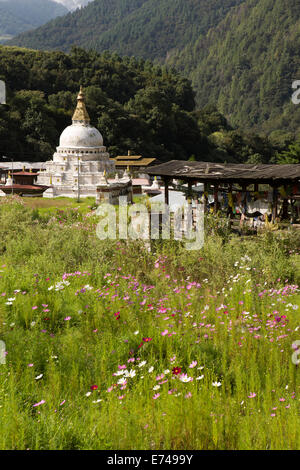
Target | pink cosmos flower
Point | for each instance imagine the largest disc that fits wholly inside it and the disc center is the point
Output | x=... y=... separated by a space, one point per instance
x=39 y=403
x=193 y=364
x=157 y=395
x=67 y=318
x=252 y=395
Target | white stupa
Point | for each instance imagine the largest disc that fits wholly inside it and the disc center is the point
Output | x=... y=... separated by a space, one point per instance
x=79 y=161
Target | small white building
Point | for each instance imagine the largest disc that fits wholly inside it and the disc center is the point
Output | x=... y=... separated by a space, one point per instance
x=79 y=161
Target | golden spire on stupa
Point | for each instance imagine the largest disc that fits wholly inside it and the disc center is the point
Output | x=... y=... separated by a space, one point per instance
x=81 y=114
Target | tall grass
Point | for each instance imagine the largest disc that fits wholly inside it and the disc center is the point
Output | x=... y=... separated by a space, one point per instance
x=82 y=311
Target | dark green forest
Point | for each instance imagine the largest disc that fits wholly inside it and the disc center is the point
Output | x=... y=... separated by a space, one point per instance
x=246 y=66
x=241 y=55
x=136 y=105
x=17 y=16
x=143 y=28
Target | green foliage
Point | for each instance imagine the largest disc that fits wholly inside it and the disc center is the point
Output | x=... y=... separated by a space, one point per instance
x=136 y=105
x=292 y=155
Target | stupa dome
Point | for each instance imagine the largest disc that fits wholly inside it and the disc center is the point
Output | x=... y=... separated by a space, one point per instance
x=79 y=135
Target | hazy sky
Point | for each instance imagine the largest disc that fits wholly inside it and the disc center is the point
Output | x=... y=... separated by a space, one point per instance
x=73 y=4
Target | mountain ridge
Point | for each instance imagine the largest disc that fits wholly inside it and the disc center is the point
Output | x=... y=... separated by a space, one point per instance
x=17 y=16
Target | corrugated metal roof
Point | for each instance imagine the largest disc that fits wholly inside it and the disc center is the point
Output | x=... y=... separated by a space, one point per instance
x=20 y=165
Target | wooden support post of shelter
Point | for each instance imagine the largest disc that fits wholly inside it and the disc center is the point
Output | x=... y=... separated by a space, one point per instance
x=274 y=204
x=285 y=205
x=216 y=198
x=166 y=182
x=205 y=197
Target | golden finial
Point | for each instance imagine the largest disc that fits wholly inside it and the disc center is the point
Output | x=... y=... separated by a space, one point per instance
x=81 y=113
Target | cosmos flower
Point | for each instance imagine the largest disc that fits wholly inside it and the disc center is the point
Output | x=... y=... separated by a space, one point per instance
x=147 y=340
x=176 y=370
x=193 y=364
x=185 y=379
x=39 y=403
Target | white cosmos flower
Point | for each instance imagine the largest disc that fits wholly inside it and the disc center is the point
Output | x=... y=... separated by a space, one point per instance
x=136 y=333
x=88 y=394
x=157 y=387
x=122 y=381
x=120 y=372
x=216 y=384
x=151 y=369
x=38 y=377
x=166 y=371
x=130 y=374
x=185 y=379
x=200 y=377
x=8 y=303
x=97 y=401
x=141 y=364
x=11 y=299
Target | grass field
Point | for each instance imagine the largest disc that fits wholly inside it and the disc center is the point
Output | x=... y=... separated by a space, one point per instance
x=110 y=346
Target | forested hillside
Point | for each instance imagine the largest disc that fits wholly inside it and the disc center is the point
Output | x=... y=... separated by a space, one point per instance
x=246 y=66
x=242 y=55
x=136 y=105
x=17 y=16
x=143 y=28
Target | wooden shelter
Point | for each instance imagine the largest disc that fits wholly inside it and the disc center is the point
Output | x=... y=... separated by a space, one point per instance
x=224 y=177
